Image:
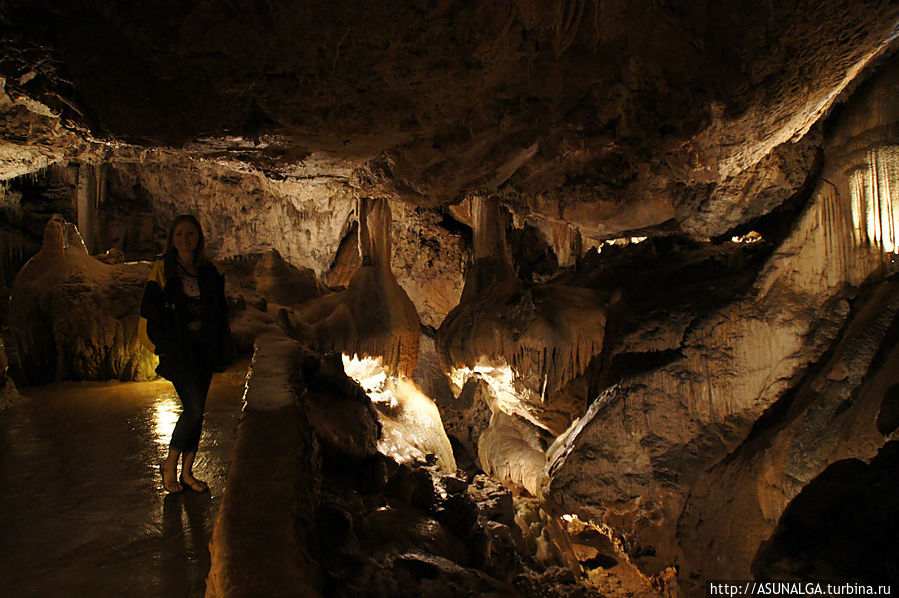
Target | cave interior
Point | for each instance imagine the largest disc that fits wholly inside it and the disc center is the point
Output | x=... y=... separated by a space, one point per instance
x=582 y=297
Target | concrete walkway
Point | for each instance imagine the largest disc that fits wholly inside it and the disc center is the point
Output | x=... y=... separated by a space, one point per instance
x=82 y=510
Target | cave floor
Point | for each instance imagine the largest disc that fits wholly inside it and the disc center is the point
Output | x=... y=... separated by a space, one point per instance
x=83 y=511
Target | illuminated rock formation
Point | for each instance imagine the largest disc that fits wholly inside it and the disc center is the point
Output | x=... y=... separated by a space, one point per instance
x=373 y=317
x=762 y=394
x=335 y=518
x=73 y=317
x=534 y=338
x=547 y=334
x=411 y=427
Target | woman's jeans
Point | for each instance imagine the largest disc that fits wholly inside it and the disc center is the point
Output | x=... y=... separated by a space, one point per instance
x=192 y=388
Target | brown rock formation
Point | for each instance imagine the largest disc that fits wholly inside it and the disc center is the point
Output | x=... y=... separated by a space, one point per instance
x=547 y=333
x=337 y=519
x=575 y=105
x=73 y=317
x=543 y=335
x=761 y=395
x=8 y=392
x=374 y=316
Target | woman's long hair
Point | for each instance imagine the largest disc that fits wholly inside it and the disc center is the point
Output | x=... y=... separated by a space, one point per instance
x=199 y=252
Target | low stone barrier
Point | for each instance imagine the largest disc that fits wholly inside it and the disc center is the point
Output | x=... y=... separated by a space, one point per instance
x=256 y=547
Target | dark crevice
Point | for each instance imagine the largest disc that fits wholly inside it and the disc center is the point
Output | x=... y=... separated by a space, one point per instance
x=776 y=225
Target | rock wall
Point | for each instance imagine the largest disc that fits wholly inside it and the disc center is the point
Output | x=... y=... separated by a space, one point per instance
x=242 y=210
x=695 y=460
x=337 y=518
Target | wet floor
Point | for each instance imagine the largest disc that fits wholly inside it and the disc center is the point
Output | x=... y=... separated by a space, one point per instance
x=82 y=510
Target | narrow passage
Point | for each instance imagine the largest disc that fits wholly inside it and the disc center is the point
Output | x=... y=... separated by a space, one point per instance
x=82 y=510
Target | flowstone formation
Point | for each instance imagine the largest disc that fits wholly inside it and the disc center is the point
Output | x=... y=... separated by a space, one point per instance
x=73 y=317
x=527 y=341
x=373 y=316
x=757 y=396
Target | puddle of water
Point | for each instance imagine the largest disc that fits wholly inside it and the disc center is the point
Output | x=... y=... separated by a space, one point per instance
x=83 y=508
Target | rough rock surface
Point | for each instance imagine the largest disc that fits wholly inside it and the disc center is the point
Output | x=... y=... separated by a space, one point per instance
x=757 y=397
x=8 y=392
x=429 y=259
x=373 y=317
x=860 y=548
x=338 y=519
x=73 y=317
x=548 y=334
x=571 y=106
x=258 y=286
x=731 y=373
x=242 y=210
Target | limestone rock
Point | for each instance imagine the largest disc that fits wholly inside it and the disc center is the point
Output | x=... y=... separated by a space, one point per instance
x=664 y=426
x=73 y=317
x=510 y=450
x=259 y=286
x=242 y=212
x=757 y=397
x=589 y=114
x=830 y=416
x=467 y=416
x=339 y=411
x=428 y=261
x=412 y=426
x=374 y=316
x=863 y=498
x=547 y=334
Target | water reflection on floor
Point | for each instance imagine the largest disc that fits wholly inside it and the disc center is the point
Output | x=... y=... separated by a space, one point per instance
x=82 y=510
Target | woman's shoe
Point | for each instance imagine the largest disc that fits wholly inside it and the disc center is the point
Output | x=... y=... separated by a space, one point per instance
x=173 y=488
x=199 y=486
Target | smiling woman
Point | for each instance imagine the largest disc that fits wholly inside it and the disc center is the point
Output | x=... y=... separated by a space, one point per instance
x=186 y=324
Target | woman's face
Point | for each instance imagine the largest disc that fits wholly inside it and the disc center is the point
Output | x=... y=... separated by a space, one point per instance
x=185 y=238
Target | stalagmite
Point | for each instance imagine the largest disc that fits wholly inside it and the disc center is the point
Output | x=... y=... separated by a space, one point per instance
x=73 y=317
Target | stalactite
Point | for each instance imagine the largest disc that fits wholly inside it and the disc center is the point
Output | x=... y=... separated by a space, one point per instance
x=86 y=194
x=563 y=18
x=567 y=243
x=374 y=317
x=873 y=200
x=548 y=334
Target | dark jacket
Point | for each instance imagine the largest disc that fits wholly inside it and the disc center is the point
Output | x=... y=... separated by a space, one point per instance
x=164 y=306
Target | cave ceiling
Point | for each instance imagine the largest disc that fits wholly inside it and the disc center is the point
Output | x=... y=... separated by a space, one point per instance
x=609 y=115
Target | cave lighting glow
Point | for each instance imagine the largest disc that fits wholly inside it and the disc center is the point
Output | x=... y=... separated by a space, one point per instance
x=165 y=414
x=874 y=204
x=498 y=375
x=750 y=237
x=621 y=242
x=505 y=389
x=368 y=372
x=410 y=421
